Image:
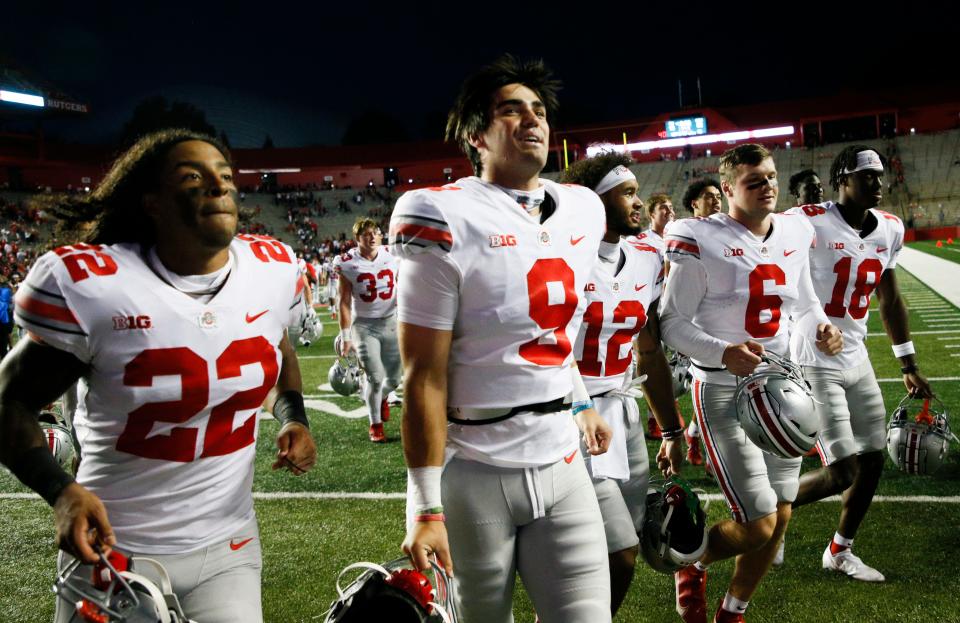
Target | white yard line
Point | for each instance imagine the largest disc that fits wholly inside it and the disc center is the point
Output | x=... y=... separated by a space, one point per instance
x=949 y=337
x=880 y=334
x=937 y=378
x=316 y=357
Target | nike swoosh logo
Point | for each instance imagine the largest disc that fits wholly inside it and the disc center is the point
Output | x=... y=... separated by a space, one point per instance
x=569 y=459
x=789 y=253
x=576 y=240
x=235 y=545
x=638 y=288
x=881 y=249
x=252 y=318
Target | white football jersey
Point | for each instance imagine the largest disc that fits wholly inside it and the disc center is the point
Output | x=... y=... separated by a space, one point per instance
x=374 y=281
x=617 y=308
x=652 y=238
x=167 y=416
x=751 y=286
x=846 y=269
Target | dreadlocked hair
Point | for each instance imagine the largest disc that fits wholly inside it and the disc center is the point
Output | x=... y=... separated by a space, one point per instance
x=590 y=171
x=470 y=114
x=846 y=160
x=113 y=212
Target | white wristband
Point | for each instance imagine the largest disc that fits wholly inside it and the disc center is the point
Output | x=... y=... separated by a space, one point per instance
x=902 y=350
x=579 y=393
x=346 y=335
x=423 y=487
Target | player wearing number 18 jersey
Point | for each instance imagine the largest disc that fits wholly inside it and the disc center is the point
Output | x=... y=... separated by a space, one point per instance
x=855 y=256
x=177 y=330
x=499 y=263
x=622 y=298
x=737 y=283
x=368 y=305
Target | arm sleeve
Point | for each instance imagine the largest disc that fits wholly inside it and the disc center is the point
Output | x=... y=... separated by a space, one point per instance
x=430 y=294
x=42 y=308
x=811 y=314
x=686 y=287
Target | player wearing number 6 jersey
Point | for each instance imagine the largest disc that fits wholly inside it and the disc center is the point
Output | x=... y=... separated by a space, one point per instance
x=737 y=282
x=368 y=287
x=855 y=255
x=494 y=267
x=177 y=331
x=622 y=298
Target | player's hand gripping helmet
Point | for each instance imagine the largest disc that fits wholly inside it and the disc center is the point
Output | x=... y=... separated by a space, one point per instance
x=115 y=593
x=394 y=592
x=345 y=375
x=674 y=531
x=680 y=373
x=918 y=445
x=776 y=410
x=59 y=440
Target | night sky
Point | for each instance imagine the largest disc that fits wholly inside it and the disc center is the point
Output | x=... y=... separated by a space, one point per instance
x=301 y=74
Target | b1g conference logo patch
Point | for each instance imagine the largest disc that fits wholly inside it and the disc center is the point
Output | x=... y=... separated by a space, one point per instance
x=122 y=323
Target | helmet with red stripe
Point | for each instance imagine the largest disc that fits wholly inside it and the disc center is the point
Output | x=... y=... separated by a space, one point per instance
x=776 y=410
x=59 y=440
x=919 y=444
x=674 y=531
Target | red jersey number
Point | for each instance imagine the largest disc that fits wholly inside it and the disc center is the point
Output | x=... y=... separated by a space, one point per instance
x=220 y=438
x=370 y=281
x=760 y=302
x=266 y=249
x=552 y=317
x=613 y=364
x=83 y=259
x=868 y=277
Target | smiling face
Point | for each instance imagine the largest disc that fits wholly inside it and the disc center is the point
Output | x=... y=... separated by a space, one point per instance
x=709 y=201
x=661 y=213
x=513 y=147
x=624 y=209
x=196 y=203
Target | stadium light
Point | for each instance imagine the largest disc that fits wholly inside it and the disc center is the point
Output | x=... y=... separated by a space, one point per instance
x=15 y=97
x=705 y=139
x=269 y=170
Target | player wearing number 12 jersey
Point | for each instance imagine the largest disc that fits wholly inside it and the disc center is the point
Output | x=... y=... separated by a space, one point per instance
x=177 y=330
x=368 y=300
x=622 y=298
x=737 y=283
x=494 y=267
x=855 y=256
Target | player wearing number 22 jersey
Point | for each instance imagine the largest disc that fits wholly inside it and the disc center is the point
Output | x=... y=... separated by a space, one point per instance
x=167 y=418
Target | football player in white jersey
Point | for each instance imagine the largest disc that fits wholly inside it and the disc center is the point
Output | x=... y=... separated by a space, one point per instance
x=856 y=253
x=622 y=298
x=500 y=262
x=703 y=198
x=737 y=283
x=806 y=187
x=368 y=318
x=177 y=331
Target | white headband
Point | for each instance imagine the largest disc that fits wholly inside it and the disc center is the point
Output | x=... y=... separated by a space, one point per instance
x=867 y=160
x=617 y=176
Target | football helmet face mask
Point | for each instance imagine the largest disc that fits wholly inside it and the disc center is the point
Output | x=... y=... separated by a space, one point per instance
x=776 y=409
x=680 y=373
x=59 y=440
x=345 y=375
x=394 y=591
x=115 y=593
x=919 y=444
x=674 y=531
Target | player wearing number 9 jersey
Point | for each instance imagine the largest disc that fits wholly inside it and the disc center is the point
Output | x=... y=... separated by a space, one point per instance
x=493 y=268
x=856 y=254
x=368 y=304
x=739 y=284
x=177 y=331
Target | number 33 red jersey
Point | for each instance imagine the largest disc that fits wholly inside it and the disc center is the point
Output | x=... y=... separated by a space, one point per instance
x=167 y=419
x=374 y=281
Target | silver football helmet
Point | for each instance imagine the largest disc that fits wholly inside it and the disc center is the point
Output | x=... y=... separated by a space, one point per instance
x=776 y=408
x=345 y=375
x=919 y=444
x=395 y=591
x=311 y=329
x=680 y=373
x=117 y=594
x=59 y=440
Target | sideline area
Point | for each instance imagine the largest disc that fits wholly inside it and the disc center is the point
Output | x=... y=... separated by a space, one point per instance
x=939 y=274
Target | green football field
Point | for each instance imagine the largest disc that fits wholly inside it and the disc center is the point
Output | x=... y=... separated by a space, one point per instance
x=349 y=508
x=947 y=251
